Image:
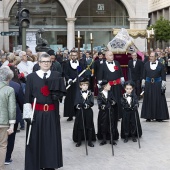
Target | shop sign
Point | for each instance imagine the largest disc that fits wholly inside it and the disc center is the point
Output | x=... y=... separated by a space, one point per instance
x=100 y=9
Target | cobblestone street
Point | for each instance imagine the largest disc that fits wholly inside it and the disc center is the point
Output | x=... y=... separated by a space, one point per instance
x=153 y=155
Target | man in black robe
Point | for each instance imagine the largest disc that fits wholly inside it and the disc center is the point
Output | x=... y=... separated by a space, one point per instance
x=154 y=102
x=44 y=150
x=112 y=72
x=72 y=68
x=135 y=70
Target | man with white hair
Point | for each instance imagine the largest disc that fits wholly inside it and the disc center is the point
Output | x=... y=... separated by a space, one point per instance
x=25 y=66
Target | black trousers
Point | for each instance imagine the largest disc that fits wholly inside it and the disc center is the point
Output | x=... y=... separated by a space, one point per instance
x=129 y=123
x=11 y=141
x=137 y=87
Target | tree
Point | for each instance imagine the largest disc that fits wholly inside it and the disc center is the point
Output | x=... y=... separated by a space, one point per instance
x=162 y=30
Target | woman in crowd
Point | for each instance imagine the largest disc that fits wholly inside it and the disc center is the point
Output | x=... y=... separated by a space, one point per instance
x=7 y=111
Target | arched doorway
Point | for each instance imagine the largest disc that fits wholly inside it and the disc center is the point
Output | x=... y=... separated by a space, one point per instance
x=50 y=16
x=99 y=17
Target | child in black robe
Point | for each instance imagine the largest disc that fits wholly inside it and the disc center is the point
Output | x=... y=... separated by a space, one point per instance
x=106 y=103
x=83 y=103
x=130 y=105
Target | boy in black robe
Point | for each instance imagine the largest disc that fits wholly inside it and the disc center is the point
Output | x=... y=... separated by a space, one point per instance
x=106 y=103
x=129 y=103
x=83 y=103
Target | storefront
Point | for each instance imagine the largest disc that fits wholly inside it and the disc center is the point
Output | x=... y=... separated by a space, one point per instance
x=62 y=19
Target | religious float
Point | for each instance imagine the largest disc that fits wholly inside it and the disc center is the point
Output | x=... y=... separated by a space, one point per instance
x=122 y=45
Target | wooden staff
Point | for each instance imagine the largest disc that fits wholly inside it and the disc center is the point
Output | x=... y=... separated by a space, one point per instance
x=32 y=115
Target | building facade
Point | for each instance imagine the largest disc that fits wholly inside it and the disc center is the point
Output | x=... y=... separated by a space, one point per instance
x=62 y=19
x=158 y=8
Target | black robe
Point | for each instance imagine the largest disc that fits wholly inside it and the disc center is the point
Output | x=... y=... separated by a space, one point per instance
x=106 y=74
x=45 y=148
x=70 y=73
x=103 y=117
x=128 y=124
x=154 y=102
x=87 y=115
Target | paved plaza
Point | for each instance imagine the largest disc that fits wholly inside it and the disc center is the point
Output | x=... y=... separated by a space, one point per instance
x=153 y=155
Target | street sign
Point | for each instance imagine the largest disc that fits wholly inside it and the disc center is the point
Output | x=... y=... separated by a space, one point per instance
x=10 y=33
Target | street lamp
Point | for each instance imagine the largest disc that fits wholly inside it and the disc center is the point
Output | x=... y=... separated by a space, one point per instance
x=150 y=36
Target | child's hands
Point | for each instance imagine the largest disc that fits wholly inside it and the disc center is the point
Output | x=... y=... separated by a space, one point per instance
x=79 y=106
x=86 y=106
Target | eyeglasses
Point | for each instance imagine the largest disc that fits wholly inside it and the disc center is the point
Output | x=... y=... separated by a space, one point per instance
x=47 y=62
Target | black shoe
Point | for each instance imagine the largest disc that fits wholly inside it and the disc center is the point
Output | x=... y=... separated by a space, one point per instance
x=103 y=143
x=114 y=143
x=125 y=140
x=148 y=120
x=90 y=144
x=159 y=120
x=8 y=162
x=70 y=119
x=17 y=131
x=134 y=139
x=22 y=128
x=78 y=144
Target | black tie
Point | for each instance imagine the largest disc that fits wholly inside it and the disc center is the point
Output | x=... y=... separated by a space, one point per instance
x=84 y=91
x=128 y=95
x=44 y=76
x=110 y=62
x=74 y=61
x=154 y=63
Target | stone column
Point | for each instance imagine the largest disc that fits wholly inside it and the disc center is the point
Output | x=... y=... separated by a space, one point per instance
x=1 y=30
x=70 y=32
x=139 y=23
x=4 y=40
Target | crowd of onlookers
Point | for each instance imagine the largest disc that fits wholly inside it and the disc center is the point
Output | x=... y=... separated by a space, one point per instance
x=22 y=63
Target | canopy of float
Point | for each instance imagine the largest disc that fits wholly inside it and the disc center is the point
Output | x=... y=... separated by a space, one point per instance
x=122 y=43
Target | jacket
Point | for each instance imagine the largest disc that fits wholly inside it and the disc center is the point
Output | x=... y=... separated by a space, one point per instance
x=19 y=96
x=7 y=104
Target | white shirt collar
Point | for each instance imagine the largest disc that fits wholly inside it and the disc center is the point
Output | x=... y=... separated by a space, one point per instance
x=85 y=95
x=129 y=99
x=74 y=65
x=105 y=93
x=40 y=73
x=153 y=66
x=111 y=66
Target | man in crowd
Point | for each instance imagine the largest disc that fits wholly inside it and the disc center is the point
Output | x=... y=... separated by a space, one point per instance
x=135 y=70
x=25 y=66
